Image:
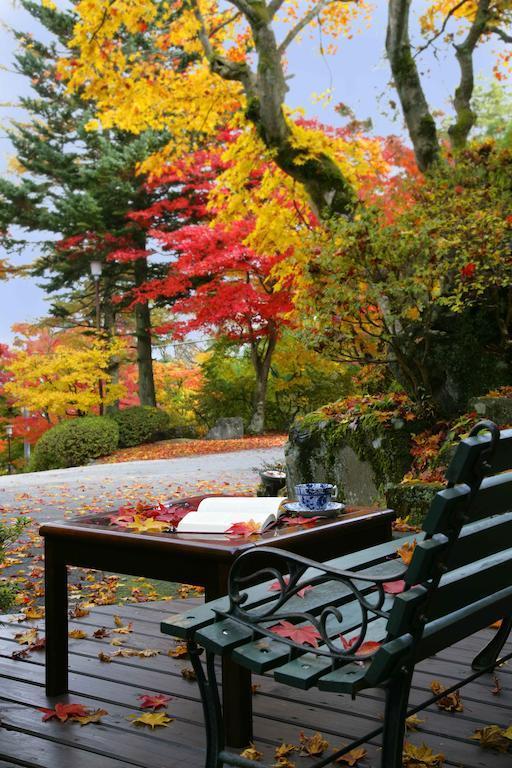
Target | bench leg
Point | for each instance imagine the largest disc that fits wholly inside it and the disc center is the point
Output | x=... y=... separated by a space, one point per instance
x=397 y=699
x=211 y=704
x=490 y=653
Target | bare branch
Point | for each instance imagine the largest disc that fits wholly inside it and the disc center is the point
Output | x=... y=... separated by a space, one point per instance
x=443 y=28
x=501 y=33
x=304 y=21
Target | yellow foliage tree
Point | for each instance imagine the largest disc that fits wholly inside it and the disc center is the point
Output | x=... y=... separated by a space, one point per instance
x=59 y=377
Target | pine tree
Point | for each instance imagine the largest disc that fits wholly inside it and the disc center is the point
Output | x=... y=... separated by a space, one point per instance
x=75 y=189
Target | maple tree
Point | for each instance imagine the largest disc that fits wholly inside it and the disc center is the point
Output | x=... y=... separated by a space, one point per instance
x=56 y=375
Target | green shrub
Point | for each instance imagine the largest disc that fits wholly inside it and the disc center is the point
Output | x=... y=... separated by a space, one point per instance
x=9 y=533
x=75 y=442
x=141 y=424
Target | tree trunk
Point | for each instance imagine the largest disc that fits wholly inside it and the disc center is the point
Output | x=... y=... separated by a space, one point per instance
x=147 y=394
x=419 y=120
x=109 y=325
x=329 y=191
x=261 y=364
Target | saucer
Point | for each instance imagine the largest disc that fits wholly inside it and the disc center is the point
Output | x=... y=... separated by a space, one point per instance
x=328 y=511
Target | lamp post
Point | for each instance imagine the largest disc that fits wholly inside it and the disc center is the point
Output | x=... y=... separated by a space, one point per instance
x=96 y=270
x=8 y=431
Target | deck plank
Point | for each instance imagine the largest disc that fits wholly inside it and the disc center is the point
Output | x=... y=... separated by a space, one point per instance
x=280 y=713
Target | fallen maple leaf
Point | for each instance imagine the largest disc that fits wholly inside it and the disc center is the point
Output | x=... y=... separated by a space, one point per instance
x=251 y=753
x=153 y=702
x=34 y=613
x=353 y=757
x=78 y=612
x=394 y=587
x=299 y=520
x=64 y=712
x=152 y=719
x=452 y=702
x=147 y=525
x=305 y=634
x=101 y=632
x=406 y=551
x=493 y=737
x=420 y=757
x=313 y=745
x=91 y=717
x=413 y=722
x=146 y=653
x=179 y=652
x=27 y=638
x=188 y=673
x=276 y=587
x=370 y=646
x=284 y=750
x=283 y=762
x=104 y=657
x=77 y=634
x=402 y=525
x=250 y=528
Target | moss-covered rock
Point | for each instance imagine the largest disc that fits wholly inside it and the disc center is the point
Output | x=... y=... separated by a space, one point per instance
x=497 y=409
x=411 y=500
x=363 y=449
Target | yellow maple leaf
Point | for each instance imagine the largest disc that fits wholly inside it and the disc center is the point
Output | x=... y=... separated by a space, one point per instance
x=152 y=719
x=492 y=737
x=452 y=702
x=147 y=525
x=251 y=753
x=313 y=745
x=77 y=634
x=91 y=717
x=26 y=638
x=421 y=757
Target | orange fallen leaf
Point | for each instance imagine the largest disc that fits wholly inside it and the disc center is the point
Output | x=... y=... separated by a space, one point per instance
x=77 y=634
x=452 y=702
x=406 y=551
x=179 y=652
x=64 y=712
x=104 y=657
x=353 y=757
x=91 y=717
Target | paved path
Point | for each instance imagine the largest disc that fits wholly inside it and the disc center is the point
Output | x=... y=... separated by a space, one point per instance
x=44 y=494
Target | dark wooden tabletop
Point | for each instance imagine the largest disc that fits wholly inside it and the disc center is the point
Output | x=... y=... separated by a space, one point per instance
x=98 y=527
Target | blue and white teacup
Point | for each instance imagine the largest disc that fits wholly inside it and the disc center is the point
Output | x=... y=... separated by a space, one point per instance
x=315 y=497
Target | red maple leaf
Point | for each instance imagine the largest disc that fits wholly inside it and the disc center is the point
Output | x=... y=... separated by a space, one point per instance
x=370 y=646
x=147 y=701
x=305 y=634
x=394 y=587
x=64 y=711
x=276 y=587
x=249 y=528
x=299 y=520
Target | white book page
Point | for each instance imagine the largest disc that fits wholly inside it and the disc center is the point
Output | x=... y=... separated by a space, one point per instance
x=216 y=515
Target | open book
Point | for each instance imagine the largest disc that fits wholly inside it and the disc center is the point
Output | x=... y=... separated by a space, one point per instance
x=218 y=514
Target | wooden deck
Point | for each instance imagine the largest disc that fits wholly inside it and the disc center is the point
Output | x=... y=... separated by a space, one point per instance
x=281 y=714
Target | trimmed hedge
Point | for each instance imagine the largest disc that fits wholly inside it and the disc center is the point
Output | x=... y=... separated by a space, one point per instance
x=75 y=442
x=141 y=424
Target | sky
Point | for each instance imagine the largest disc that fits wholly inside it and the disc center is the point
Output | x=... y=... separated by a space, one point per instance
x=358 y=76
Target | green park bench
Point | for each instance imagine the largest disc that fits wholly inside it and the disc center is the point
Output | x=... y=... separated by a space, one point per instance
x=458 y=582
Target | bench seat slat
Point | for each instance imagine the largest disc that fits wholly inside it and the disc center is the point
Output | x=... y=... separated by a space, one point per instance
x=304 y=671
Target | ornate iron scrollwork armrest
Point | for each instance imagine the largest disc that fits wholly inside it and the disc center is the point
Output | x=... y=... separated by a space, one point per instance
x=290 y=573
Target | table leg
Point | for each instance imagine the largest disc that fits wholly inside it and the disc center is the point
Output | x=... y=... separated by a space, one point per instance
x=56 y=620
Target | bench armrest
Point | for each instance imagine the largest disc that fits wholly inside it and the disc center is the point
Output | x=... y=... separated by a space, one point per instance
x=349 y=593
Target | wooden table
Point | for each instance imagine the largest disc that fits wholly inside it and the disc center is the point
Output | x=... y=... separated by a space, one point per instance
x=92 y=542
